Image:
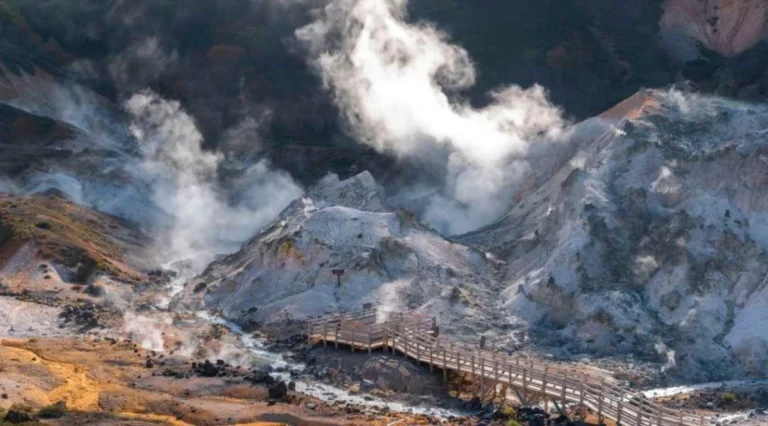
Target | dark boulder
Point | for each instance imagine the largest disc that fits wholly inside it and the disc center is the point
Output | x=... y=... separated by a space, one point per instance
x=278 y=391
x=207 y=369
x=260 y=376
x=17 y=416
x=475 y=404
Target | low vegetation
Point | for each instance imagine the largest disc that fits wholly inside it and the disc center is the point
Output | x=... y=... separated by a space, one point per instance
x=53 y=411
x=66 y=233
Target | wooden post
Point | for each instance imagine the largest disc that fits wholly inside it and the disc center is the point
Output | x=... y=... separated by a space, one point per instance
x=418 y=353
x=369 y=340
x=619 y=408
x=600 y=403
x=309 y=333
x=681 y=418
x=525 y=385
x=386 y=338
x=405 y=354
x=640 y=413
x=325 y=334
x=337 y=334
x=431 y=360
x=458 y=359
x=445 y=367
x=658 y=418
x=581 y=391
x=474 y=377
x=482 y=377
x=544 y=390
x=562 y=391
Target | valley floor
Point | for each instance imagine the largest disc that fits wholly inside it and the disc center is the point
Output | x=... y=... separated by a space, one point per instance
x=104 y=381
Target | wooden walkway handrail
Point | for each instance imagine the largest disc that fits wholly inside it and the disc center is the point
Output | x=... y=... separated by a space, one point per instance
x=411 y=335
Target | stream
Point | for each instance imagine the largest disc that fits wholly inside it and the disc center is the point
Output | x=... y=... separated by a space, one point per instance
x=282 y=371
x=683 y=389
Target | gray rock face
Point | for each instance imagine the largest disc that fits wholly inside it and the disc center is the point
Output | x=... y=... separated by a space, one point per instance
x=647 y=237
x=651 y=241
x=388 y=258
x=360 y=192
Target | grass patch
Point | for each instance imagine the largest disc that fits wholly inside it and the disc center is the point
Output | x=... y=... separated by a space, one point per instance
x=53 y=411
x=21 y=407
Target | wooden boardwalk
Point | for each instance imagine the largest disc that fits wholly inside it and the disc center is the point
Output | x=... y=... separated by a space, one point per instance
x=414 y=337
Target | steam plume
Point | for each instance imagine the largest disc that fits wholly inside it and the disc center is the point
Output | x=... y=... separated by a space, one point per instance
x=203 y=222
x=396 y=84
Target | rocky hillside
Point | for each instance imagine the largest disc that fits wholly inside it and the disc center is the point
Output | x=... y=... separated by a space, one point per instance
x=57 y=136
x=726 y=27
x=46 y=241
x=388 y=258
x=651 y=241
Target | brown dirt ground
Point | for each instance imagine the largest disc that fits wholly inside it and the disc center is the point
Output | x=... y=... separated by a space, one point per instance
x=108 y=383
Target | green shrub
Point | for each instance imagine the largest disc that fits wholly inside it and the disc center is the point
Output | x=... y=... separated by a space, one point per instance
x=729 y=397
x=8 y=11
x=53 y=411
x=21 y=407
x=513 y=423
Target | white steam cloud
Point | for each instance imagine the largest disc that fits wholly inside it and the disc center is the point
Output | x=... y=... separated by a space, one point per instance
x=185 y=183
x=396 y=83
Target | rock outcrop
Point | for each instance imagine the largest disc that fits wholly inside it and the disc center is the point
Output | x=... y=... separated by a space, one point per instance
x=651 y=241
x=388 y=259
x=726 y=26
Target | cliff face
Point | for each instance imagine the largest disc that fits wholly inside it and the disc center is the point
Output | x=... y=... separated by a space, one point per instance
x=728 y=27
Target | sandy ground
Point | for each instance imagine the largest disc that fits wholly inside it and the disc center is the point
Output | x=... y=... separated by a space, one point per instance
x=108 y=383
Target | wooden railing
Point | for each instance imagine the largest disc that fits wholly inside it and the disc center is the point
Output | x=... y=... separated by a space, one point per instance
x=413 y=336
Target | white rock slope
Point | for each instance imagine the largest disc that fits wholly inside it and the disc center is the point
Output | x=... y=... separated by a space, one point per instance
x=389 y=259
x=652 y=240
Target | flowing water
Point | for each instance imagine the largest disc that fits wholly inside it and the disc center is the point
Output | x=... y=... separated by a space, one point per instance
x=316 y=389
x=684 y=389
